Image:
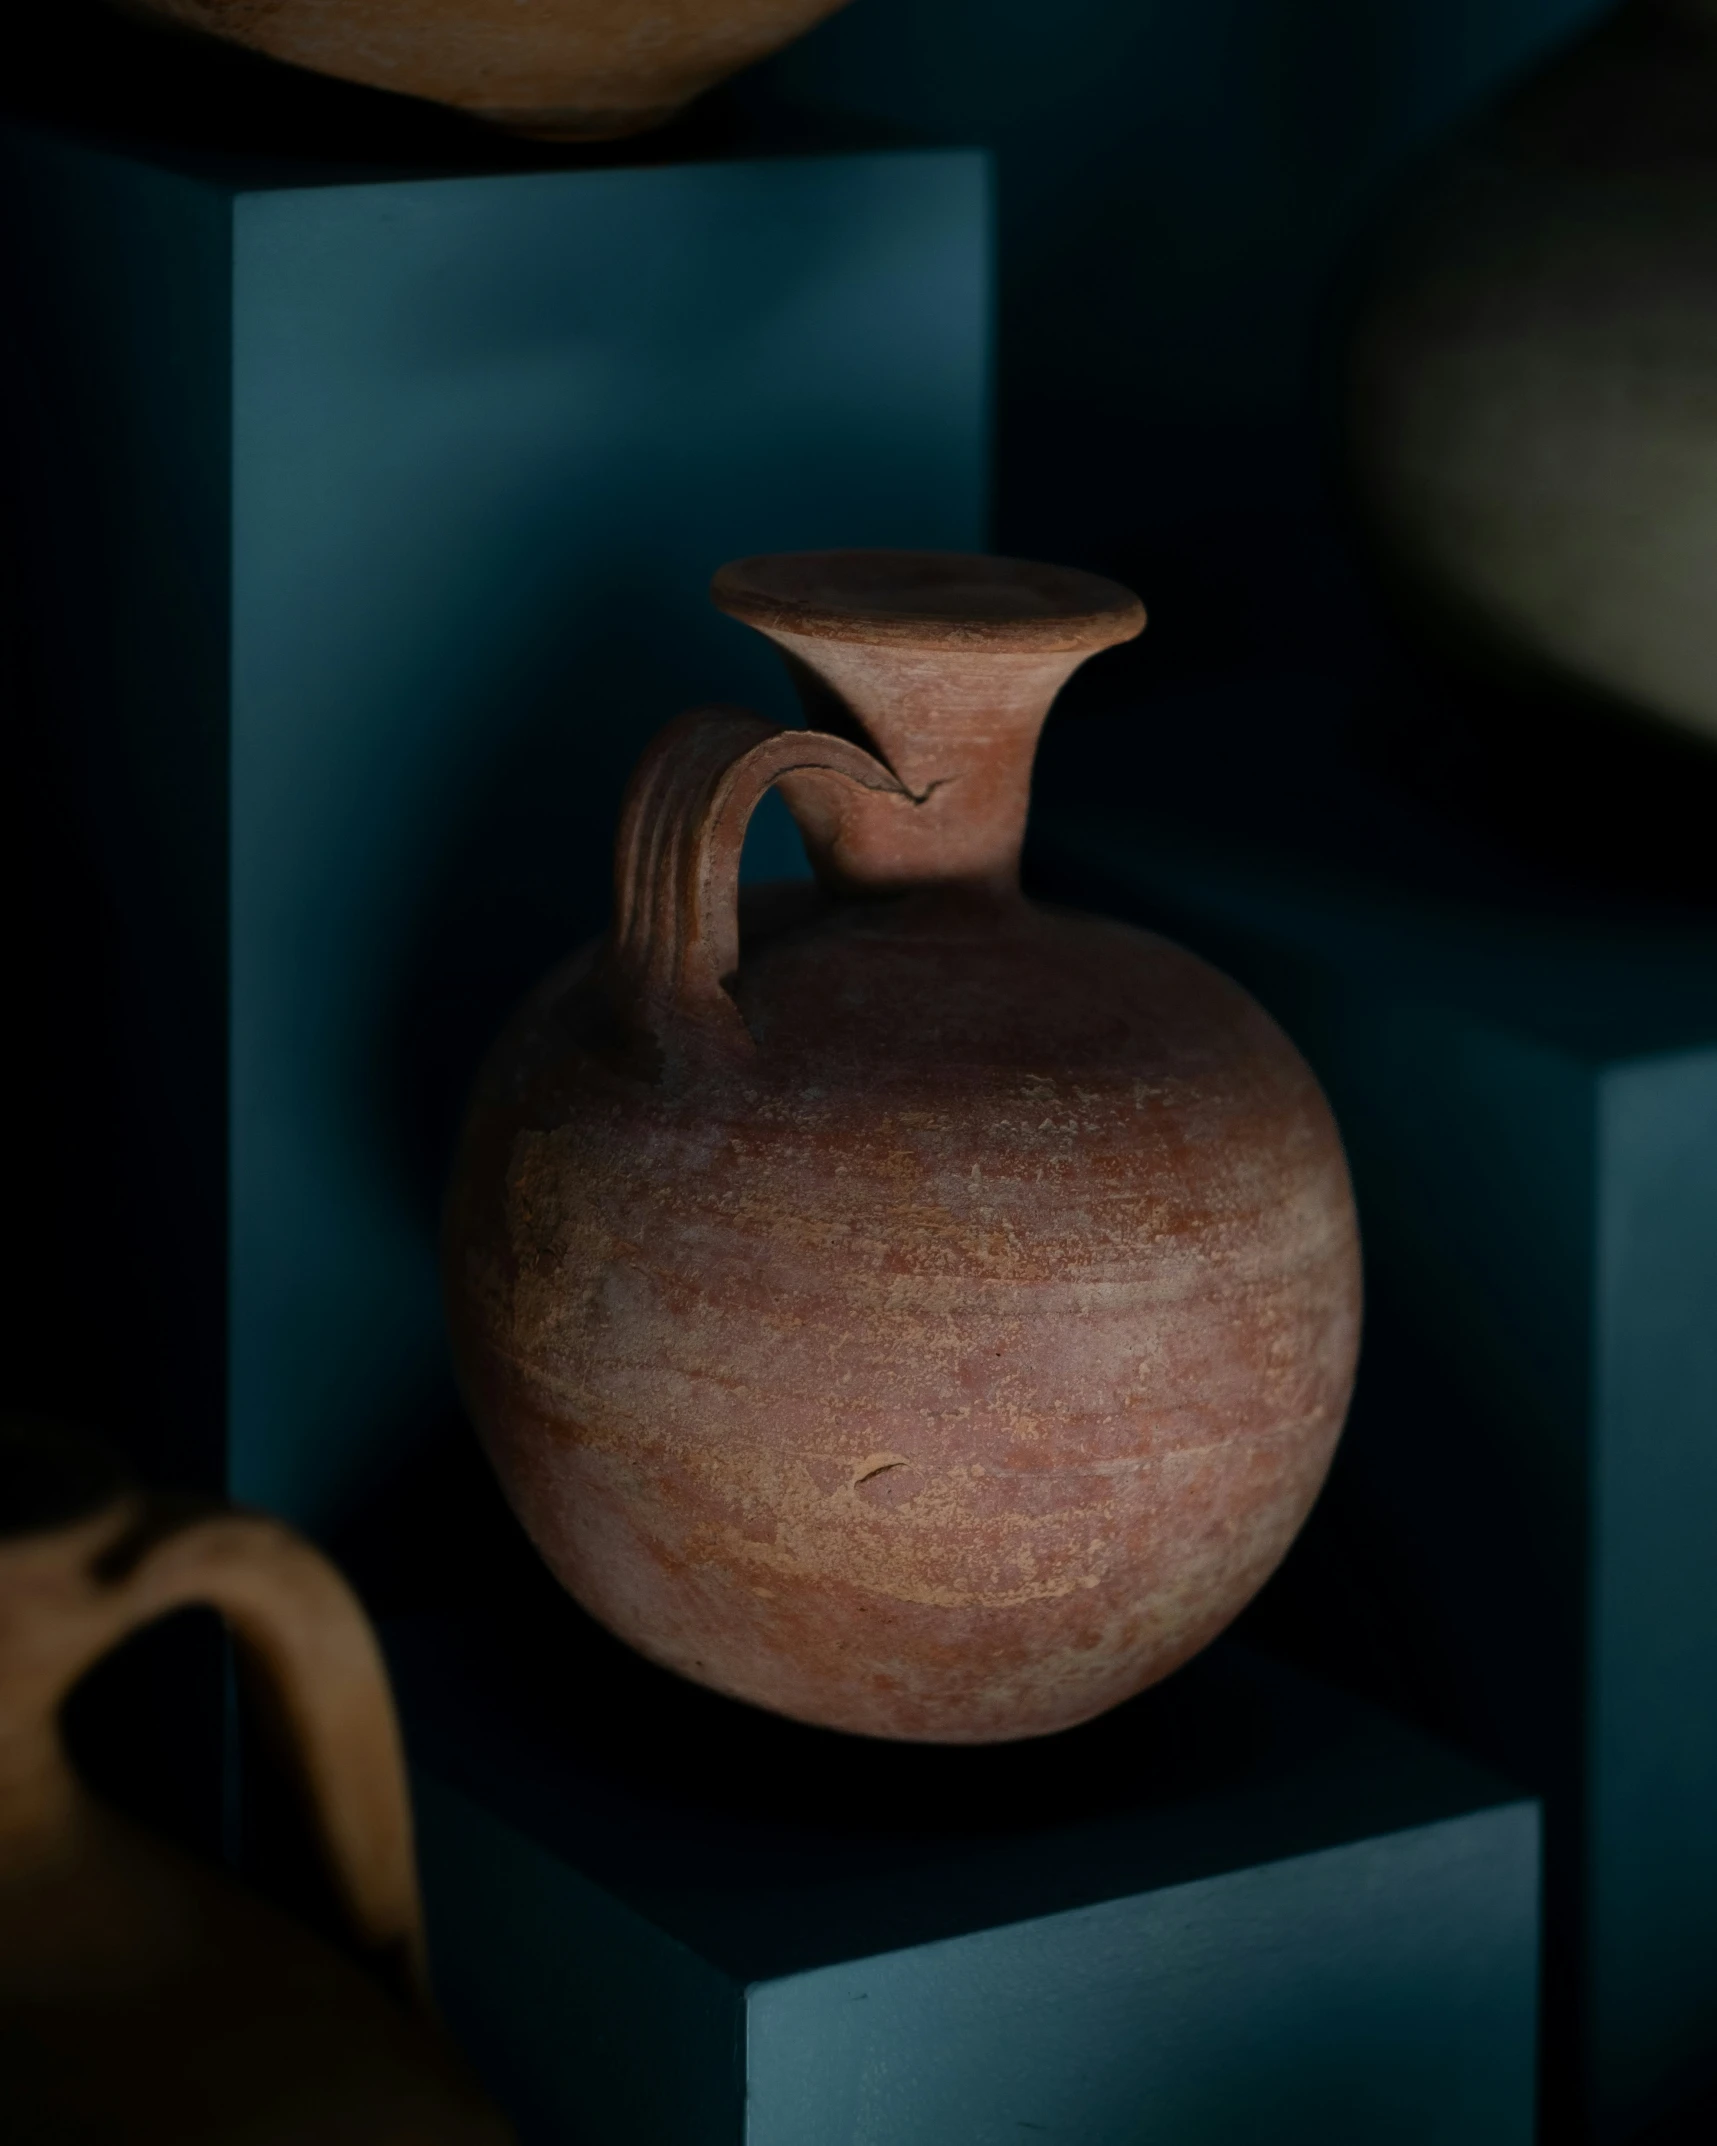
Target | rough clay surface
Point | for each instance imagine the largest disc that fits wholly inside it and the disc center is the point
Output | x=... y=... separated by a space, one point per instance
x=954 y=1369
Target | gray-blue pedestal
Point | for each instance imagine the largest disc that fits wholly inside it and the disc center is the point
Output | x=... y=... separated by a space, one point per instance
x=1244 y=1907
x=1518 y=1536
x=365 y=517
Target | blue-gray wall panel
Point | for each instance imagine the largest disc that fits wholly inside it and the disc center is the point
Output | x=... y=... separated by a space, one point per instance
x=489 y=439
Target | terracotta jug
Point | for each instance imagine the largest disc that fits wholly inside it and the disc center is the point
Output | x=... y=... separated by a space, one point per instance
x=145 y=1998
x=1534 y=436
x=904 y=1307
x=563 y=70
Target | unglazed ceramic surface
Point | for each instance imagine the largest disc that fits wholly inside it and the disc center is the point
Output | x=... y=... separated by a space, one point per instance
x=924 y=1313
x=1534 y=430
x=144 y=1997
x=567 y=70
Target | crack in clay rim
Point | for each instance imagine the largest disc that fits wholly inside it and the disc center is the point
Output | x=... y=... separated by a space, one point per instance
x=928 y=600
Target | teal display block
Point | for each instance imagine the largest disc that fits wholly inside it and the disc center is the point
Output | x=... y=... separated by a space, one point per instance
x=1517 y=1537
x=366 y=519
x=1244 y=1906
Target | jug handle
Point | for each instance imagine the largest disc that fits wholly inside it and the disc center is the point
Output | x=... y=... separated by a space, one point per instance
x=302 y=1629
x=675 y=939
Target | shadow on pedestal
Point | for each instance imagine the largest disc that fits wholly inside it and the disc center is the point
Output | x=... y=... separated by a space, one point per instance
x=1243 y=1905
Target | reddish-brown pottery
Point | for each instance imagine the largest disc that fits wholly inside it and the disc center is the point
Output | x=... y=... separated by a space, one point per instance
x=902 y=1306
x=145 y=1997
x=564 y=70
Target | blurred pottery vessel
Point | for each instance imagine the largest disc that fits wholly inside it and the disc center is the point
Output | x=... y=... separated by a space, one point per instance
x=144 y=1995
x=561 y=70
x=913 y=1310
x=1533 y=421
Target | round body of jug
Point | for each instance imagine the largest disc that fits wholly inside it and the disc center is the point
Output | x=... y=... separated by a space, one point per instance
x=946 y=1341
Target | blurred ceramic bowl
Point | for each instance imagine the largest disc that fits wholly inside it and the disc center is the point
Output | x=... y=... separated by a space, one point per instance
x=560 y=70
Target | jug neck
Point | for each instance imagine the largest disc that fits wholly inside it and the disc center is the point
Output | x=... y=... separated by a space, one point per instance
x=961 y=736
x=944 y=667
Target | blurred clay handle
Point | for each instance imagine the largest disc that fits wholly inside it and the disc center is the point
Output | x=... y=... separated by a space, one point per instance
x=306 y=1636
